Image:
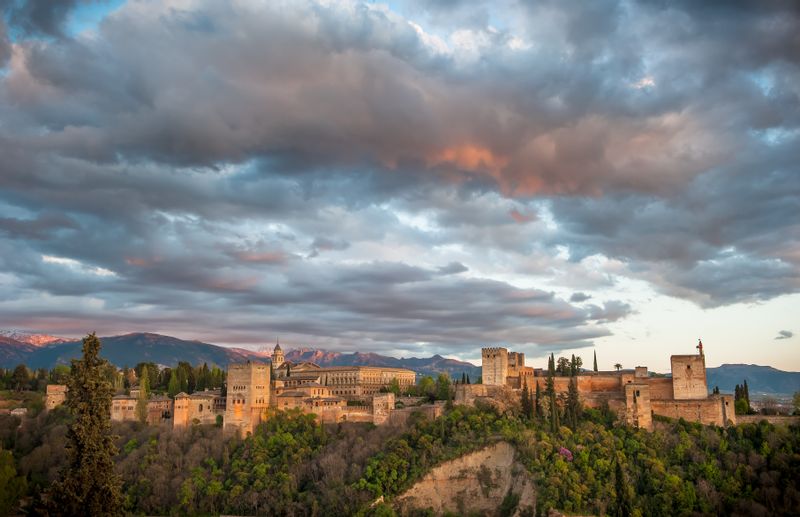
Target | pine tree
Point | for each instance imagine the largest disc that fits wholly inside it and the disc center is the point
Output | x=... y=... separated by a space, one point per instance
x=144 y=395
x=538 y=402
x=88 y=484
x=468 y=382
x=595 y=360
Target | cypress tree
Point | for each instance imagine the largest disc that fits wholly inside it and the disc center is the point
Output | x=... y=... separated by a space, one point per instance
x=144 y=394
x=468 y=382
x=88 y=484
x=595 y=360
x=525 y=399
x=550 y=390
x=538 y=402
x=622 y=503
x=573 y=403
x=174 y=386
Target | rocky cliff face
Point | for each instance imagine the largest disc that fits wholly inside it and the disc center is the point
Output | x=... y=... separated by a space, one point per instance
x=475 y=483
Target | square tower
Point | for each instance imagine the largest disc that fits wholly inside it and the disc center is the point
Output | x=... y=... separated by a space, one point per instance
x=494 y=367
x=248 y=396
x=689 y=377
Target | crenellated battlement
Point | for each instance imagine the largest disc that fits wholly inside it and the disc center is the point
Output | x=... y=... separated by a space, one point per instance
x=493 y=350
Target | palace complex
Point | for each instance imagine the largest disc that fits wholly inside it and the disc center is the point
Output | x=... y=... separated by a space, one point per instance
x=361 y=393
x=635 y=395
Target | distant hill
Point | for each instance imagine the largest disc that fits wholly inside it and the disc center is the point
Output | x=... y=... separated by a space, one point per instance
x=425 y=366
x=128 y=349
x=31 y=338
x=13 y=352
x=760 y=379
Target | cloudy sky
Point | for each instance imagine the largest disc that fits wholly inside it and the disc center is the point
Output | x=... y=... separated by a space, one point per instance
x=409 y=177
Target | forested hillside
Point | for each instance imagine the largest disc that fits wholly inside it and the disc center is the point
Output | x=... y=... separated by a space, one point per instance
x=294 y=467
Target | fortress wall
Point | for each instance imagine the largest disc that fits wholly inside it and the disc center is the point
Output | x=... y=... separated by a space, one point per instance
x=591 y=383
x=708 y=411
x=660 y=388
x=772 y=419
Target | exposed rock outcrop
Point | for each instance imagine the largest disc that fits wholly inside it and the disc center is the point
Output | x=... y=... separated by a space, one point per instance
x=475 y=483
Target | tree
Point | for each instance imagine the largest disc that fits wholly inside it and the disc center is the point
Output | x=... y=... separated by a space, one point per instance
x=622 y=503
x=88 y=484
x=562 y=367
x=12 y=486
x=573 y=404
x=595 y=360
x=174 y=386
x=463 y=378
x=526 y=402
x=443 y=387
x=394 y=387
x=20 y=377
x=144 y=395
x=550 y=391
x=468 y=382
x=537 y=408
x=796 y=402
x=59 y=374
x=617 y=366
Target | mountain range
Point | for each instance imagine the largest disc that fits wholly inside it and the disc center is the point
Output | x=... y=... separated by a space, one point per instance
x=43 y=351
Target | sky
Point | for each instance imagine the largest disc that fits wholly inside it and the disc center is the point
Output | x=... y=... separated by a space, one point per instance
x=407 y=178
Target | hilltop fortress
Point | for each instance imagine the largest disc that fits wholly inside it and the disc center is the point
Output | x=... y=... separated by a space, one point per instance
x=361 y=393
x=634 y=394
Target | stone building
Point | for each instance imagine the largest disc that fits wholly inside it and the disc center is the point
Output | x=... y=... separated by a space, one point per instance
x=633 y=394
x=123 y=409
x=201 y=407
x=350 y=382
x=56 y=395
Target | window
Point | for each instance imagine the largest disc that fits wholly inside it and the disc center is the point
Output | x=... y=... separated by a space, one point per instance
x=200 y=408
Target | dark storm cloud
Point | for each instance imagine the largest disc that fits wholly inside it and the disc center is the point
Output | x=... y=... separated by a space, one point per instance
x=326 y=171
x=35 y=17
x=784 y=334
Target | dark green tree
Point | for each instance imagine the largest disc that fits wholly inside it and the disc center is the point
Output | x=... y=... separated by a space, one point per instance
x=468 y=381
x=538 y=402
x=144 y=395
x=174 y=386
x=622 y=502
x=595 y=360
x=526 y=402
x=443 y=387
x=550 y=391
x=463 y=378
x=88 y=484
x=573 y=404
x=20 y=377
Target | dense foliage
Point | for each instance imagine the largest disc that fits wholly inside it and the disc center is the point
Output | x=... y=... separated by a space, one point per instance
x=292 y=466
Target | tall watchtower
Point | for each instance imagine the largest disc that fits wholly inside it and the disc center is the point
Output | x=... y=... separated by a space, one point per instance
x=494 y=366
x=689 y=376
x=248 y=396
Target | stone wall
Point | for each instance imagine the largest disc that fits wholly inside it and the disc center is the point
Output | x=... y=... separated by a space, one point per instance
x=772 y=419
x=712 y=410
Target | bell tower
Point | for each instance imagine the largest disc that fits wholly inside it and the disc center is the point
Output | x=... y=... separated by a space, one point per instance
x=277 y=356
